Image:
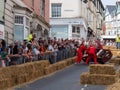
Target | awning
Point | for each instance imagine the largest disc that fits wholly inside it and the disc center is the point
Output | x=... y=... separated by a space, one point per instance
x=21 y=4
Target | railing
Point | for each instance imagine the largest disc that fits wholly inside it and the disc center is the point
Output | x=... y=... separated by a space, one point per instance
x=53 y=57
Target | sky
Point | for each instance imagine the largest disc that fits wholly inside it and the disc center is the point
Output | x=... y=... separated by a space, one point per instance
x=108 y=2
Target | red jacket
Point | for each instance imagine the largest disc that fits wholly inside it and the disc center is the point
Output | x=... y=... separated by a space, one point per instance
x=91 y=50
x=82 y=48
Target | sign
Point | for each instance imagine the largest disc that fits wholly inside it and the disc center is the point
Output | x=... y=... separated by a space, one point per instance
x=1 y=31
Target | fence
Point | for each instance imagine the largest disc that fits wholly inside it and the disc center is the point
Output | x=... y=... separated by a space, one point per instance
x=53 y=57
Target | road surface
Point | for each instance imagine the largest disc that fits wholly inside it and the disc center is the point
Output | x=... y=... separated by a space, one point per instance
x=67 y=79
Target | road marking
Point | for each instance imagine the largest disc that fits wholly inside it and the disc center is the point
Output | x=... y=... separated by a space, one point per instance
x=85 y=85
x=82 y=88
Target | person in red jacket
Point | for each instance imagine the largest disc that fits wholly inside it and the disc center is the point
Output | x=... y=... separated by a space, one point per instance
x=91 y=54
x=80 y=52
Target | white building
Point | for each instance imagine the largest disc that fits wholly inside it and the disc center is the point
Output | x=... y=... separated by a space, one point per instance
x=76 y=19
x=66 y=20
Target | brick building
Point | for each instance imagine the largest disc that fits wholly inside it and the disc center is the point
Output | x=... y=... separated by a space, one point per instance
x=22 y=16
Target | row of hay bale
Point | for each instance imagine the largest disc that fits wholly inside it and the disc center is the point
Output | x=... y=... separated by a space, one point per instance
x=19 y=74
x=15 y=75
x=99 y=75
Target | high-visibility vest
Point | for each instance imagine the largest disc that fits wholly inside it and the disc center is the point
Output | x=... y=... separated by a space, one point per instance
x=30 y=37
x=118 y=39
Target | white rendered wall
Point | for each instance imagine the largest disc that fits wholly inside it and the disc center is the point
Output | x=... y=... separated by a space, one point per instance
x=70 y=8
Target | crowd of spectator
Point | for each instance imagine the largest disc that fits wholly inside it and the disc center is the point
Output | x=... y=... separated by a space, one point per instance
x=29 y=49
x=32 y=49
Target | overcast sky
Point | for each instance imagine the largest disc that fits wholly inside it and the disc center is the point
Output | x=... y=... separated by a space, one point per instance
x=108 y=2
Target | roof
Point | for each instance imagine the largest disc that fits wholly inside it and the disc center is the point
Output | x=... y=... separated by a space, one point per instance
x=111 y=8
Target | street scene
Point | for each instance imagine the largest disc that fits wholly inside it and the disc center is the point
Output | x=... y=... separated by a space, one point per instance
x=59 y=45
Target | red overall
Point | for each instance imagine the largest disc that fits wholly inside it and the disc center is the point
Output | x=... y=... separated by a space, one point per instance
x=80 y=53
x=91 y=54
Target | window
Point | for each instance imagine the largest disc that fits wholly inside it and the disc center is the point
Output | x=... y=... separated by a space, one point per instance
x=19 y=32
x=78 y=29
x=73 y=29
x=27 y=22
x=42 y=7
x=59 y=32
x=18 y=19
x=22 y=27
x=56 y=10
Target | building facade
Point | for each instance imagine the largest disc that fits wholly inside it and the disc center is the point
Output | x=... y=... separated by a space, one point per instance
x=2 y=19
x=66 y=21
x=76 y=21
x=112 y=21
x=23 y=16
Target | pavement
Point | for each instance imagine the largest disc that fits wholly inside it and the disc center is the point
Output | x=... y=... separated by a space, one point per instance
x=66 y=79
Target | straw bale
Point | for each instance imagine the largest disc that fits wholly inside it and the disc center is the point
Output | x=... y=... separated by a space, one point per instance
x=22 y=79
x=49 y=69
x=107 y=69
x=115 y=86
x=73 y=60
x=69 y=62
x=109 y=47
x=4 y=83
x=116 y=53
x=118 y=72
x=97 y=79
x=45 y=63
x=84 y=78
x=116 y=61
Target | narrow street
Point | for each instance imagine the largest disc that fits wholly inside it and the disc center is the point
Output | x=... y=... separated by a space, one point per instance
x=67 y=79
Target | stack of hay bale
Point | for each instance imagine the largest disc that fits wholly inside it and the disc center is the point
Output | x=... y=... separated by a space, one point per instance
x=99 y=75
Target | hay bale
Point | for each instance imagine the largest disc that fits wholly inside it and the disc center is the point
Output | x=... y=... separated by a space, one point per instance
x=97 y=79
x=115 y=86
x=107 y=69
x=50 y=69
x=118 y=73
x=84 y=78
x=116 y=61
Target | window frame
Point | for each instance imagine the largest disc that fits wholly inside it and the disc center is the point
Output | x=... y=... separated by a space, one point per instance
x=25 y=17
x=55 y=8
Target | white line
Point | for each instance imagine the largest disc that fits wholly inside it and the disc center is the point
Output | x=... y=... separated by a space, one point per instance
x=82 y=88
